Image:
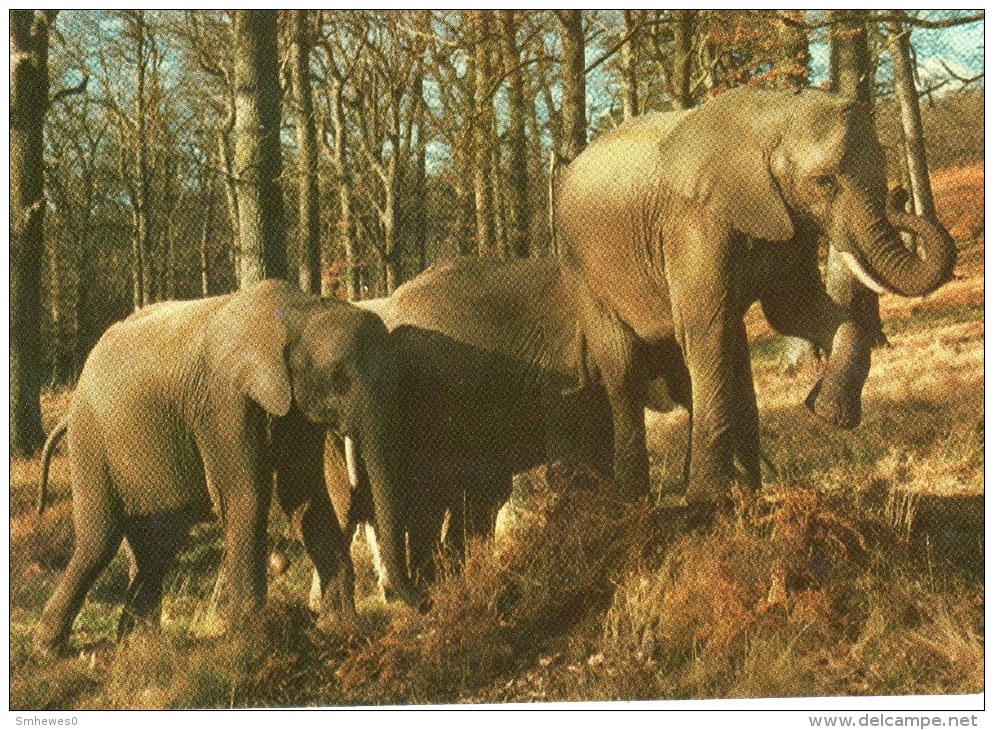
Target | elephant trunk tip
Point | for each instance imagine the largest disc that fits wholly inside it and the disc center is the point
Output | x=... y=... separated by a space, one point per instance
x=886 y=262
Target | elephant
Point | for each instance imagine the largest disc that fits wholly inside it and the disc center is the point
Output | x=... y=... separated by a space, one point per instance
x=667 y=222
x=189 y=407
x=488 y=381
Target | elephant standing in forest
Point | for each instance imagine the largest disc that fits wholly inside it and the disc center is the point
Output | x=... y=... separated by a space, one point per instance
x=169 y=422
x=665 y=220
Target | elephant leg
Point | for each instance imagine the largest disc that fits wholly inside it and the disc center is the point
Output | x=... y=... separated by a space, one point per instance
x=298 y=448
x=98 y=532
x=152 y=543
x=612 y=346
x=706 y=301
x=631 y=456
x=746 y=430
x=810 y=313
x=486 y=488
x=240 y=475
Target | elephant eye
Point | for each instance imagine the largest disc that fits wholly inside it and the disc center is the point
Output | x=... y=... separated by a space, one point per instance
x=338 y=383
x=825 y=182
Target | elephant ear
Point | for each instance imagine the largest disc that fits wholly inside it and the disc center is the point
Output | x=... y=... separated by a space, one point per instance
x=719 y=157
x=245 y=344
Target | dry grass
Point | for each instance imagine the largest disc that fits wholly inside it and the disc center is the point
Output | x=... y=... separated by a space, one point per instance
x=554 y=572
x=788 y=597
x=959 y=198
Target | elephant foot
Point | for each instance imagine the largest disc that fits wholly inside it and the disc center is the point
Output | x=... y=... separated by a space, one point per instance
x=331 y=621
x=48 y=649
x=840 y=411
x=335 y=606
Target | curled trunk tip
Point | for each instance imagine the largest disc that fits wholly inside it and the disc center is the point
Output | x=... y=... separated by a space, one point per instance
x=885 y=260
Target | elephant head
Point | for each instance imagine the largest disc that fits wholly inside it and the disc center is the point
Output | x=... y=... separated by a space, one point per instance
x=333 y=361
x=774 y=162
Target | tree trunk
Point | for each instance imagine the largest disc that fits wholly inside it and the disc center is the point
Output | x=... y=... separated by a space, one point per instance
x=138 y=274
x=899 y=45
x=205 y=237
x=538 y=232
x=850 y=69
x=683 y=36
x=572 y=65
x=231 y=197
x=628 y=67
x=849 y=55
x=28 y=103
x=791 y=71
x=262 y=236
x=346 y=234
x=309 y=221
x=483 y=124
x=518 y=214
x=388 y=216
x=419 y=234
x=141 y=203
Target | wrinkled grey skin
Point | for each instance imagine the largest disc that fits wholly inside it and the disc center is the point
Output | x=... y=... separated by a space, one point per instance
x=667 y=221
x=168 y=424
x=489 y=383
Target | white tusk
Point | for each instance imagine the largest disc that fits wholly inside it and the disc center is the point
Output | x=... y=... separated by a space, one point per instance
x=868 y=281
x=314 y=598
x=351 y=463
x=383 y=579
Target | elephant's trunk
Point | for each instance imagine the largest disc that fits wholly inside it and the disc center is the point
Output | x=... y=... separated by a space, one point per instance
x=887 y=262
x=376 y=447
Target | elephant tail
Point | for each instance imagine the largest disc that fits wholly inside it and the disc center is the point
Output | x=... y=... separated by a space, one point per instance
x=46 y=458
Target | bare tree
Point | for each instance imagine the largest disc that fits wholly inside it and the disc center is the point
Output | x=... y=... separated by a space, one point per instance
x=791 y=68
x=385 y=112
x=572 y=69
x=899 y=45
x=308 y=216
x=29 y=31
x=849 y=54
x=483 y=124
x=338 y=65
x=683 y=36
x=452 y=63
x=132 y=107
x=262 y=237
x=517 y=162
x=629 y=65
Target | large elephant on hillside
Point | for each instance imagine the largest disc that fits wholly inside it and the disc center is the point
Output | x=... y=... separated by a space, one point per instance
x=168 y=423
x=664 y=221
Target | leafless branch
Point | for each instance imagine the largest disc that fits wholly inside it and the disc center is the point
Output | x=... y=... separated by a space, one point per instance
x=961 y=79
x=617 y=46
x=884 y=17
x=71 y=91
